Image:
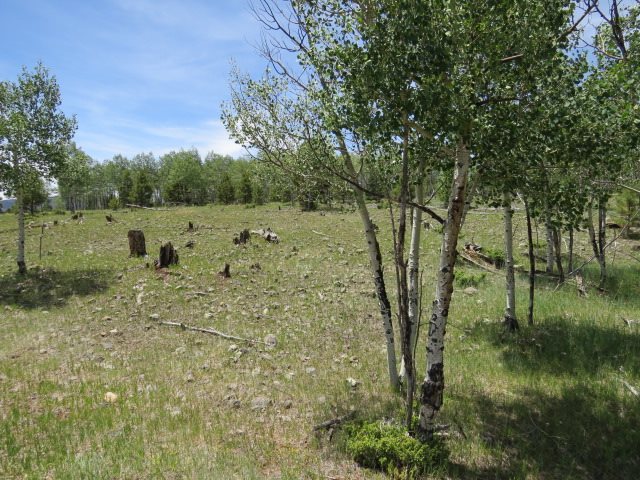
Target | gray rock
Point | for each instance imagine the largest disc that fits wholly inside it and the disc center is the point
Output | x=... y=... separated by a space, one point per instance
x=260 y=403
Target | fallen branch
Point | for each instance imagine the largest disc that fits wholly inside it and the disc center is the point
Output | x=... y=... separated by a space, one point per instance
x=631 y=388
x=469 y=259
x=268 y=234
x=210 y=331
x=131 y=205
x=334 y=421
x=320 y=233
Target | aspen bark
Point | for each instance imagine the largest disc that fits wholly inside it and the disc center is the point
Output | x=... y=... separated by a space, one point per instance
x=470 y=193
x=375 y=260
x=570 y=252
x=413 y=264
x=510 y=319
x=602 y=241
x=532 y=264
x=598 y=249
x=550 y=249
x=432 y=388
x=22 y=266
x=557 y=246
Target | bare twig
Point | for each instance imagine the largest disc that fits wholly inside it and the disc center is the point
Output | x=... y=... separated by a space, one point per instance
x=334 y=421
x=211 y=332
x=320 y=233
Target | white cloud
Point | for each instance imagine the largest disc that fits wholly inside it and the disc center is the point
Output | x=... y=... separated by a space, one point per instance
x=135 y=138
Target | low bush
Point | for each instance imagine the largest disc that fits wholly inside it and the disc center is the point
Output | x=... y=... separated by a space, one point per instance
x=390 y=448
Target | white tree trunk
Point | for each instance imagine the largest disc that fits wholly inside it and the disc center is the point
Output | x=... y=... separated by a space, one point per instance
x=22 y=266
x=433 y=385
x=414 y=265
x=550 y=249
x=470 y=193
x=597 y=243
x=375 y=260
x=510 y=318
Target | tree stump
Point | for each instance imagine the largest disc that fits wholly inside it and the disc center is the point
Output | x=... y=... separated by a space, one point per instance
x=137 y=246
x=190 y=229
x=242 y=238
x=168 y=256
x=225 y=272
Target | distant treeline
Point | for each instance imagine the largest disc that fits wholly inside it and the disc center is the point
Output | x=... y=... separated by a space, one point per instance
x=182 y=177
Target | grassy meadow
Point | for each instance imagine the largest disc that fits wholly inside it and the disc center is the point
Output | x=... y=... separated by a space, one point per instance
x=92 y=386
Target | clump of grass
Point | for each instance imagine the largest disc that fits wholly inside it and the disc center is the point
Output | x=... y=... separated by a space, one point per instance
x=469 y=279
x=495 y=254
x=389 y=448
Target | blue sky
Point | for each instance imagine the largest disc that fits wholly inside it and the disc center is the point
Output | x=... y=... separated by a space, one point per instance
x=140 y=75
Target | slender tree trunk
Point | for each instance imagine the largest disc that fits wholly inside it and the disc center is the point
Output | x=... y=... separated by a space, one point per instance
x=375 y=259
x=414 y=265
x=595 y=245
x=557 y=246
x=532 y=264
x=471 y=190
x=602 y=240
x=406 y=326
x=550 y=249
x=510 y=319
x=22 y=266
x=570 y=252
x=433 y=385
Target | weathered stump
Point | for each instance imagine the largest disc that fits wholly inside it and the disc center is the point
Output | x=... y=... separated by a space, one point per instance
x=225 y=272
x=137 y=246
x=243 y=238
x=168 y=256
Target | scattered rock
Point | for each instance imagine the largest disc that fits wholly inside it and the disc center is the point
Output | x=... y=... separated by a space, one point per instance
x=260 y=403
x=232 y=401
x=470 y=291
x=110 y=397
x=287 y=404
x=271 y=340
x=154 y=316
x=352 y=382
x=310 y=370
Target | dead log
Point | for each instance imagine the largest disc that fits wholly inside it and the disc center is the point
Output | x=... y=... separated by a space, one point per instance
x=242 y=238
x=268 y=234
x=225 y=273
x=131 y=205
x=137 y=246
x=168 y=256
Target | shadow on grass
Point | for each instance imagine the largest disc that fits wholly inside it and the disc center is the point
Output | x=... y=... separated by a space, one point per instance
x=562 y=346
x=590 y=429
x=46 y=288
x=587 y=432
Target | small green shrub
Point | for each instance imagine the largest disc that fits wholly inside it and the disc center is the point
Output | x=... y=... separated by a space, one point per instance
x=469 y=279
x=389 y=448
x=496 y=255
x=114 y=203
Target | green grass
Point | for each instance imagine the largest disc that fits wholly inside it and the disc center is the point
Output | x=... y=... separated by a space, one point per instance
x=546 y=402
